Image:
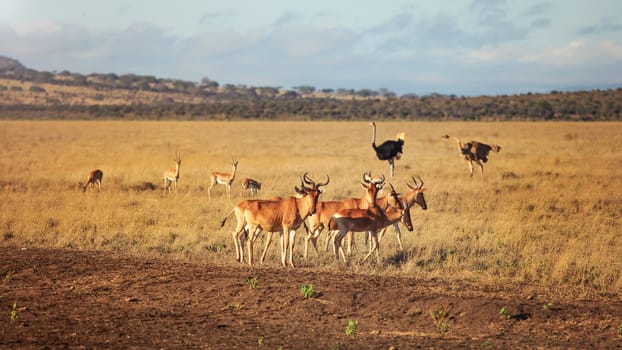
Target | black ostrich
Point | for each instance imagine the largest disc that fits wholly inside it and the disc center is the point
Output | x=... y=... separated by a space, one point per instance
x=389 y=150
x=474 y=151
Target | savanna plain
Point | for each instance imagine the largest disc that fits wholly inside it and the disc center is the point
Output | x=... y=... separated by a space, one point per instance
x=526 y=256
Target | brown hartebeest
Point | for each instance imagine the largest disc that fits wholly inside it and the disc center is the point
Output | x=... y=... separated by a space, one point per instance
x=95 y=178
x=414 y=196
x=226 y=179
x=284 y=216
x=475 y=151
x=239 y=239
x=369 y=220
x=171 y=176
x=326 y=209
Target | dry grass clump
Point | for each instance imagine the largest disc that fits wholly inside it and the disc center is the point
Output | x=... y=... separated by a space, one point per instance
x=548 y=213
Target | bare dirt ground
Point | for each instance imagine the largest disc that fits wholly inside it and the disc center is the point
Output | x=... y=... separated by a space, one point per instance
x=90 y=299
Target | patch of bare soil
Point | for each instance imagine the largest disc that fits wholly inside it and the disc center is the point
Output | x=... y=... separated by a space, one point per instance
x=93 y=299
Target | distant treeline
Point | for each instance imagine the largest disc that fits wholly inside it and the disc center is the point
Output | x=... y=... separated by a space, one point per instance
x=302 y=103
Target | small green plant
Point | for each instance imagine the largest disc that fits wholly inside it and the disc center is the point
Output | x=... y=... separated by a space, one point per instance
x=547 y=306
x=416 y=312
x=440 y=318
x=252 y=282
x=234 y=305
x=307 y=291
x=620 y=329
x=260 y=341
x=505 y=313
x=280 y=347
x=8 y=277
x=14 y=313
x=352 y=327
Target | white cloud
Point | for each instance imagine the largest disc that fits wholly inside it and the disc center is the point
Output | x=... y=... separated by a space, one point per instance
x=25 y=28
x=576 y=52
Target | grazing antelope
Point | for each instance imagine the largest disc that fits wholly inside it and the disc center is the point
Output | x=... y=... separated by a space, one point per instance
x=369 y=220
x=171 y=176
x=475 y=151
x=390 y=150
x=326 y=209
x=251 y=185
x=223 y=179
x=284 y=216
x=95 y=178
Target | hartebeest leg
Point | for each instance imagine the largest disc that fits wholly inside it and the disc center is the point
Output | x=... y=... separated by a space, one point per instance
x=375 y=247
x=265 y=249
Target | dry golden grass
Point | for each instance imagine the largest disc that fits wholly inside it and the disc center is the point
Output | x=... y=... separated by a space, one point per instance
x=548 y=213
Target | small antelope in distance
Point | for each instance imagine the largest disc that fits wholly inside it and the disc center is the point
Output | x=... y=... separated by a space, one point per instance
x=226 y=179
x=326 y=209
x=369 y=220
x=251 y=185
x=171 y=176
x=474 y=151
x=95 y=178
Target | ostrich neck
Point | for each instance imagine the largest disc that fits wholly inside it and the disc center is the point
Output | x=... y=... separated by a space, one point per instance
x=373 y=135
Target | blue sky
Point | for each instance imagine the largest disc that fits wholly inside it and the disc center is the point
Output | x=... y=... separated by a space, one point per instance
x=463 y=47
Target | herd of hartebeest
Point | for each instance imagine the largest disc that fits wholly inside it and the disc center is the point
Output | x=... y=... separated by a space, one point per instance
x=369 y=213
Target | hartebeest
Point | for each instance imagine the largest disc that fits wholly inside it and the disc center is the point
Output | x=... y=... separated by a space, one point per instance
x=414 y=196
x=474 y=151
x=171 y=176
x=369 y=220
x=226 y=179
x=326 y=209
x=95 y=178
x=251 y=185
x=239 y=239
x=284 y=216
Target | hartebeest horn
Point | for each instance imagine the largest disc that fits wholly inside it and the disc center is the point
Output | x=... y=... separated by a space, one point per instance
x=367 y=177
x=308 y=180
x=324 y=183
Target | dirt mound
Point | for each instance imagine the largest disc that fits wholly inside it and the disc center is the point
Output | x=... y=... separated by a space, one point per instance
x=65 y=298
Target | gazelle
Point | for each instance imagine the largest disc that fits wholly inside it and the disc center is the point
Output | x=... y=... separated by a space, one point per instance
x=326 y=209
x=226 y=179
x=475 y=151
x=251 y=185
x=369 y=220
x=284 y=216
x=95 y=178
x=171 y=176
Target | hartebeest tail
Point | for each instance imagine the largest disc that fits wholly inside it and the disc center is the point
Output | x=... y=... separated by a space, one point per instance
x=474 y=151
x=95 y=178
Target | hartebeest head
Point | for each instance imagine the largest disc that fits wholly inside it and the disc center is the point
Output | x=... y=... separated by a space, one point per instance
x=418 y=190
x=312 y=193
x=372 y=185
